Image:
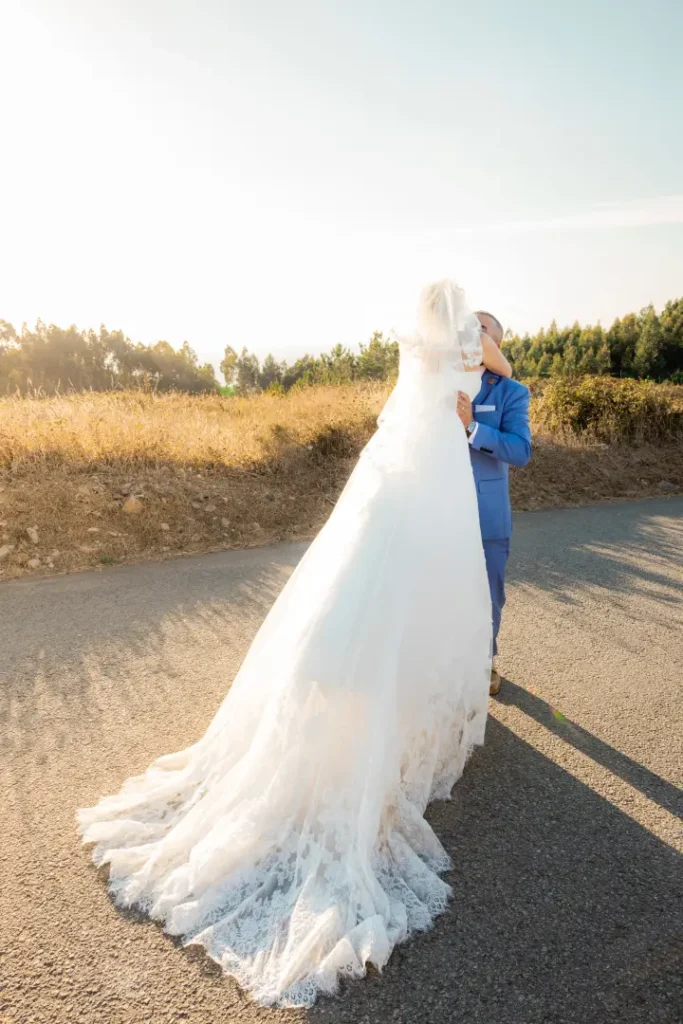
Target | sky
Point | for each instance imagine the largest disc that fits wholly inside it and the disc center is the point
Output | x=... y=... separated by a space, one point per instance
x=286 y=176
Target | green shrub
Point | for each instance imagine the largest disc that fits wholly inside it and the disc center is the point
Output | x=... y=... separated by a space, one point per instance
x=608 y=410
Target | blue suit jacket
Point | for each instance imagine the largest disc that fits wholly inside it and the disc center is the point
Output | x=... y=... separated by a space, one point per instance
x=502 y=439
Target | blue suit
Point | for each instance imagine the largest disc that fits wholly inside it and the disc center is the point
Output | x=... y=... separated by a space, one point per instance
x=502 y=438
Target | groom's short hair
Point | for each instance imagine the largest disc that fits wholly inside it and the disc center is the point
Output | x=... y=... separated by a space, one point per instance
x=483 y=312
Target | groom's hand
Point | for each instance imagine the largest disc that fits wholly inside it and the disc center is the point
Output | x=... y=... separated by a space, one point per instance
x=465 y=409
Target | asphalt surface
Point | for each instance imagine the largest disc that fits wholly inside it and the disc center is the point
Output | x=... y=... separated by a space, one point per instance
x=568 y=873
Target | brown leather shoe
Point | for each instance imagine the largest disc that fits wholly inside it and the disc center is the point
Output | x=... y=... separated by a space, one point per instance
x=496 y=683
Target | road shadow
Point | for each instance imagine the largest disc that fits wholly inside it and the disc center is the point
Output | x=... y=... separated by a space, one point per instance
x=636 y=548
x=111 y=645
x=660 y=790
x=564 y=909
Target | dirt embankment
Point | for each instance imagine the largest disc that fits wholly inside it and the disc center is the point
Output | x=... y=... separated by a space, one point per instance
x=94 y=480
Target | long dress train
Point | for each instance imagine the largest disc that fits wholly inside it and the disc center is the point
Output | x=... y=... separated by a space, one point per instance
x=290 y=841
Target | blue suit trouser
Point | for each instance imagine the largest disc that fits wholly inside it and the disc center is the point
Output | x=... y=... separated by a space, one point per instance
x=496 y=553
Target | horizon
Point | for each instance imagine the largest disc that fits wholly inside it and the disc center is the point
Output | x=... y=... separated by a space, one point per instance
x=285 y=181
x=317 y=351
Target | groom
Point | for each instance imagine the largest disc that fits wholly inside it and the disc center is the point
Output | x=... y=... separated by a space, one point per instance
x=497 y=426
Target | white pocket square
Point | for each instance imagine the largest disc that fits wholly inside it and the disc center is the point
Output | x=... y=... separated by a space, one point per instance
x=484 y=408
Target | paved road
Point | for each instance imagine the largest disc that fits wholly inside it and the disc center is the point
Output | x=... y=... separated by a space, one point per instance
x=567 y=876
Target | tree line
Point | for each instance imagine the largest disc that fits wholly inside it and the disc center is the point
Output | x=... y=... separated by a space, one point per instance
x=377 y=360
x=49 y=359
x=644 y=345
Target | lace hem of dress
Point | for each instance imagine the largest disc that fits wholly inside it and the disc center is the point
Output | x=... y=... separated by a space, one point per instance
x=296 y=917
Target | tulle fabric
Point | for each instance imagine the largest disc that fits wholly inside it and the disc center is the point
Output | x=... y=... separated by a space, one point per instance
x=290 y=841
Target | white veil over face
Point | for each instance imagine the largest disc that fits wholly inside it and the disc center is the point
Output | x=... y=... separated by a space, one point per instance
x=446 y=323
x=420 y=416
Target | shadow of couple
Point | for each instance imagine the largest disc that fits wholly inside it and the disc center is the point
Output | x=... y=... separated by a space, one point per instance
x=564 y=907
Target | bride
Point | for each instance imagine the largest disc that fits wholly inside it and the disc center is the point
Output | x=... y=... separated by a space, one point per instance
x=290 y=841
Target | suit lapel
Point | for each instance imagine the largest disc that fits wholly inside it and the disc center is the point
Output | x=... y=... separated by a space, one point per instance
x=488 y=383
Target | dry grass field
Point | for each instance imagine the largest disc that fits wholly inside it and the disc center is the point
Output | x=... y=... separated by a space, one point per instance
x=97 y=479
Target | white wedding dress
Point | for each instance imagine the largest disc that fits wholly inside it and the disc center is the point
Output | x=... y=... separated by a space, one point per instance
x=290 y=841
